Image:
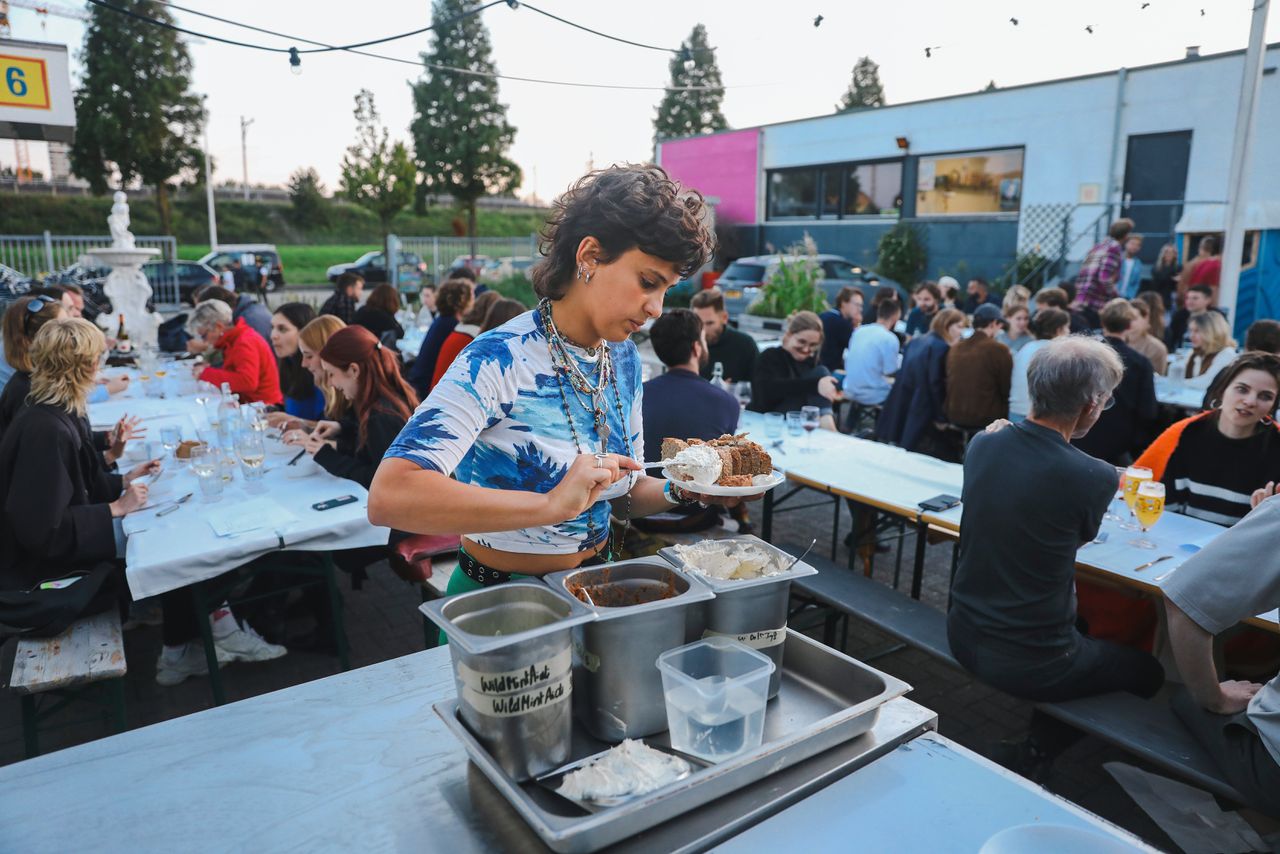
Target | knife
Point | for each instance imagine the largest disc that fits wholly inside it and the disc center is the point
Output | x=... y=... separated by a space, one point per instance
x=1152 y=563
x=176 y=504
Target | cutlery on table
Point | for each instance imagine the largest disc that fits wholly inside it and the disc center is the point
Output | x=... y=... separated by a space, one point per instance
x=297 y=457
x=1166 y=575
x=1152 y=563
x=176 y=505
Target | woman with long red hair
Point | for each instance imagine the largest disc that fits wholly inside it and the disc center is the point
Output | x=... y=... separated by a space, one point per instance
x=368 y=375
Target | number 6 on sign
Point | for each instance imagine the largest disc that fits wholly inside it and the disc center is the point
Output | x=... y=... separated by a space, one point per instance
x=26 y=82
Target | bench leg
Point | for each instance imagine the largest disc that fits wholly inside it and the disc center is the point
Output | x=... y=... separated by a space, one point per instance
x=115 y=687
x=835 y=528
x=210 y=651
x=30 y=728
x=335 y=609
x=766 y=518
x=855 y=514
x=897 y=565
x=917 y=569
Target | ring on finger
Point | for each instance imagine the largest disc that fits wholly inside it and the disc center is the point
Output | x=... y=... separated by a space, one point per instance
x=600 y=460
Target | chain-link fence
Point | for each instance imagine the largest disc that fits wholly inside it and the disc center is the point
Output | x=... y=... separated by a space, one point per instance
x=39 y=255
x=494 y=256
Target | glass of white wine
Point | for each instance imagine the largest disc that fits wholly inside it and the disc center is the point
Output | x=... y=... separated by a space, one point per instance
x=205 y=465
x=253 y=455
x=1147 y=506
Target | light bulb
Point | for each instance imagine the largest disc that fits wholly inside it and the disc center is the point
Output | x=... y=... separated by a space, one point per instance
x=295 y=61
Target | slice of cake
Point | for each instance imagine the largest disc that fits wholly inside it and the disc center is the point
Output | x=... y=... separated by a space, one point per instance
x=741 y=458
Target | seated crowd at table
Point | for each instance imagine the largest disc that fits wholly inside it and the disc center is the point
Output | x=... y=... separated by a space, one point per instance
x=523 y=432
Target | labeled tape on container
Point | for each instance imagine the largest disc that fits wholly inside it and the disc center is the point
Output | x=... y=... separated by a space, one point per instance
x=540 y=685
x=762 y=639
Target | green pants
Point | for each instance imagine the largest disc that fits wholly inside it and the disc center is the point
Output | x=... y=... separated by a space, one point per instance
x=460 y=583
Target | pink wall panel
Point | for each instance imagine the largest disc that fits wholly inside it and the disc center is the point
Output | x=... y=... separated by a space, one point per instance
x=721 y=165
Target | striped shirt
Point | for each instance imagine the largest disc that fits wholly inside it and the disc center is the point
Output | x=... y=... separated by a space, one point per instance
x=1208 y=475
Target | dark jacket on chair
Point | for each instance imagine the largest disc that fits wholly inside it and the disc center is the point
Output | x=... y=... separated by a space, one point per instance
x=917 y=397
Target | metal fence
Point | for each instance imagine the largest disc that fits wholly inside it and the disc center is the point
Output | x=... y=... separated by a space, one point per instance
x=441 y=253
x=38 y=255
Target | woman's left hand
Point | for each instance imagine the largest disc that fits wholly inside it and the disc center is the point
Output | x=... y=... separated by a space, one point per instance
x=829 y=388
x=720 y=500
x=315 y=442
x=142 y=470
x=126 y=428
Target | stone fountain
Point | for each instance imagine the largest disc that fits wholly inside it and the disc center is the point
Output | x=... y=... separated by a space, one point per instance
x=126 y=286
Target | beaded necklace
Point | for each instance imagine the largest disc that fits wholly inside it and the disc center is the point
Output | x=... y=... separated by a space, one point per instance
x=591 y=396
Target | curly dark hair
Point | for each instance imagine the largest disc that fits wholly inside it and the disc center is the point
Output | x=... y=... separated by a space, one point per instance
x=633 y=206
x=453 y=296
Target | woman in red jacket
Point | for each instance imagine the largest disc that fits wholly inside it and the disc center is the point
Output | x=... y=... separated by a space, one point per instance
x=248 y=364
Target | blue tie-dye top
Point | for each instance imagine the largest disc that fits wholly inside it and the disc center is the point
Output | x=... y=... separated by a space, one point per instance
x=496 y=420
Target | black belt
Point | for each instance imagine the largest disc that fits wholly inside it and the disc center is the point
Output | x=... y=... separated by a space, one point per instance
x=487 y=576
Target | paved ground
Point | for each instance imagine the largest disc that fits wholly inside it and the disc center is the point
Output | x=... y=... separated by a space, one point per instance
x=383 y=623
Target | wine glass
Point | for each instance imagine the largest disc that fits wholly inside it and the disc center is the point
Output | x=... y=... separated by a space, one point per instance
x=253 y=454
x=1134 y=476
x=810 y=418
x=1110 y=516
x=170 y=439
x=1148 y=504
x=205 y=463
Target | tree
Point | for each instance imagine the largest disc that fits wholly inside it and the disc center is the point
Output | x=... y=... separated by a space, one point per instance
x=306 y=194
x=377 y=174
x=136 y=116
x=691 y=105
x=902 y=254
x=865 y=89
x=460 y=129
x=990 y=87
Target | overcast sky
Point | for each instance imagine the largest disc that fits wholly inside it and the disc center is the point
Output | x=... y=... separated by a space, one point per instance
x=776 y=65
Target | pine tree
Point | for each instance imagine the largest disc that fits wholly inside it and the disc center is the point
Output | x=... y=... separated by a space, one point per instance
x=377 y=174
x=136 y=116
x=865 y=89
x=460 y=129
x=691 y=111
x=306 y=194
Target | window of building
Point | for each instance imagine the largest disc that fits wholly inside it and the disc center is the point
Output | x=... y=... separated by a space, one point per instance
x=836 y=191
x=973 y=182
x=793 y=193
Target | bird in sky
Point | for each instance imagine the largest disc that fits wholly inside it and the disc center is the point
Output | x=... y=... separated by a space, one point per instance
x=1089 y=28
x=1013 y=21
x=928 y=52
x=817 y=22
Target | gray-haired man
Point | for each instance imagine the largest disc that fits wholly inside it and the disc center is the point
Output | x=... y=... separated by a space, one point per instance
x=1031 y=499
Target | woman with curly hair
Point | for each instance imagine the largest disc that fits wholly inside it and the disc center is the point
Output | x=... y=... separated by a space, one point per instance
x=539 y=420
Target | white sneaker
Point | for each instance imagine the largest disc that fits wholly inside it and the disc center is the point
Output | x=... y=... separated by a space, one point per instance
x=245 y=644
x=171 y=670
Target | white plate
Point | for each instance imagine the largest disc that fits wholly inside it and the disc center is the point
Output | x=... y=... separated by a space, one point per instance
x=727 y=491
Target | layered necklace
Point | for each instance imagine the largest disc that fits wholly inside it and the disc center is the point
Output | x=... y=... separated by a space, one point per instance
x=589 y=389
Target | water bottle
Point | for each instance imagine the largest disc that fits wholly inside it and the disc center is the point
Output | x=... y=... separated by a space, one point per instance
x=717 y=376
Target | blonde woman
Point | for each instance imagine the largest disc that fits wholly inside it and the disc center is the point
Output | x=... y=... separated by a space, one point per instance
x=1212 y=348
x=60 y=503
x=311 y=341
x=789 y=376
x=1016 y=295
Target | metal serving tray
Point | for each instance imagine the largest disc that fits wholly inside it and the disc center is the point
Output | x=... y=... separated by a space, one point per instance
x=826 y=698
x=727 y=585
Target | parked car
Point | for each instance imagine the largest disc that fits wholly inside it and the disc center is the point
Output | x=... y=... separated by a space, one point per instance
x=226 y=253
x=511 y=266
x=485 y=268
x=372 y=267
x=191 y=276
x=744 y=279
x=91 y=280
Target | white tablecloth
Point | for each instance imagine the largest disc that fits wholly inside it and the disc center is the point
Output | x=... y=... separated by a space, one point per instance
x=1178 y=395
x=181 y=548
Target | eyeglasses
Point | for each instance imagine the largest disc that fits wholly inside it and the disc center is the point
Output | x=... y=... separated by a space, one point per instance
x=1110 y=402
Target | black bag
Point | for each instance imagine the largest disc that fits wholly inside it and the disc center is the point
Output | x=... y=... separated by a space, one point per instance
x=172 y=335
x=45 y=613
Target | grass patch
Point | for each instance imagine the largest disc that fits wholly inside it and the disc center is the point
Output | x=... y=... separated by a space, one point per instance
x=303 y=265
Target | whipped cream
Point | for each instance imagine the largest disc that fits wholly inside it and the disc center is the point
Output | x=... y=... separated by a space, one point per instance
x=697 y=463
x=731 y=560
x=631 y=768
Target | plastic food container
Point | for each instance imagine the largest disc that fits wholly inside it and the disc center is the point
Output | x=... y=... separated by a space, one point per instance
x=512 y=666
x=715 y=691
x=640 y=607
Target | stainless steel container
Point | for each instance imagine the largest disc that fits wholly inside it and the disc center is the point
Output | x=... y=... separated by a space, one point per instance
x=641 y=606
x=751 y=610
x=512 y=666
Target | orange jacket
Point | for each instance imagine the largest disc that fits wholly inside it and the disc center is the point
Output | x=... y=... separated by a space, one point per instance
x=1156 y=456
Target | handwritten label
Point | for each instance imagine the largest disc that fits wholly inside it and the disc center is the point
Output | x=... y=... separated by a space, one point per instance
x=762 y=639
x=589 y=659
x=517 y=692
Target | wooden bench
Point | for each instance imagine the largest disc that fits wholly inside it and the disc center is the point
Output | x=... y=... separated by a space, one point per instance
x=90 y=651
x=1145 y=728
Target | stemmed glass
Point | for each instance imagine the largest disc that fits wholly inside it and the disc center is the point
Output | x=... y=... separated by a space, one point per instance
x=1147 y=506
x=1134 y=477
x=810 y=418
x=253 y=454
x=1110 y=516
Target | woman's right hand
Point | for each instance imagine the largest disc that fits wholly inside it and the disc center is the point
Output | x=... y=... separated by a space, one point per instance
x=582 y=484
x=133 y=497
x=829 y=388
x=327 y=429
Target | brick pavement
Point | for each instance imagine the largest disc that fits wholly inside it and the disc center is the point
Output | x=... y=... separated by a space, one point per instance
x=383 y=623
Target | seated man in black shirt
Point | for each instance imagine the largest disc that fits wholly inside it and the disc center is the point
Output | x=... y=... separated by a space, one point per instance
x=1124 y=430
x=682 y=405
x=838 y=325
x=735 y=350
x=1031 y=500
